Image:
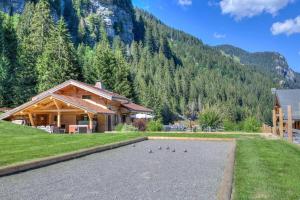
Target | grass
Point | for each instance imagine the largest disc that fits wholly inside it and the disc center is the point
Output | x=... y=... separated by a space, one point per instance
x=21 y=143
x=267 y=169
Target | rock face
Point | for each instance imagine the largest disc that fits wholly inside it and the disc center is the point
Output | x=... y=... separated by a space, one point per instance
x=117 y=19
x=282 y=68
x=269 y=62
x=116 y=15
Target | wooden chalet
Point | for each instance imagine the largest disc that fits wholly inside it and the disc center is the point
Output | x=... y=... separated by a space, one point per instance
x=74 y=105
x=286 y=112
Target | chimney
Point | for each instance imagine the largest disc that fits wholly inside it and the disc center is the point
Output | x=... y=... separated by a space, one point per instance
x=99 y=85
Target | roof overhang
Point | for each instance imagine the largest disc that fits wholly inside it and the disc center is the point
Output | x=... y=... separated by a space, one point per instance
x=56 y=97
x=76 y=84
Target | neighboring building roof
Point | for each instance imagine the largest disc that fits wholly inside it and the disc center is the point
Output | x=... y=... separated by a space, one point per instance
x=76 y=102
x=136 y=108
x=289 y=97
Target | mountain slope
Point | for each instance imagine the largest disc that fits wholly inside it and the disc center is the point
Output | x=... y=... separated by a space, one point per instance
x=172 y=72
x=267 y=62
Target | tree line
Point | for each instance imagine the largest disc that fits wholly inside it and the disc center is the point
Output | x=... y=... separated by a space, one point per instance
x=167 y=70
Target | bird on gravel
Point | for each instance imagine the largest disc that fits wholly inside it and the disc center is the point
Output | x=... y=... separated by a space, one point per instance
x=173 y=150
x=168 y=147
x=150 y=151
x=159 y=148
x=185 y=151
x=133 y=145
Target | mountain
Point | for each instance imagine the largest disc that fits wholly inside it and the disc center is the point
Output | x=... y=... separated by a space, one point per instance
x=267 y=62
x=132 y=52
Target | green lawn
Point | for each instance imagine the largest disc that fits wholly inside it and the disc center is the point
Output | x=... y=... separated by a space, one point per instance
x=267 y=169
x=21 y=143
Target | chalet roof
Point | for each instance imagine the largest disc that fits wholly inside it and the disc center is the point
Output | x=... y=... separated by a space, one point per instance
x=287 y=97
x=76 y=102
x=101 y=92
x=136 y=108
x=80 y=103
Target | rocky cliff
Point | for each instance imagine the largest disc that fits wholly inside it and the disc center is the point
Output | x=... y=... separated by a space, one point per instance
x=116 y=15
x=268 y=62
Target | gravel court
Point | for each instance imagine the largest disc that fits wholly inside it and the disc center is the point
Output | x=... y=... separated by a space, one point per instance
x=128 y=173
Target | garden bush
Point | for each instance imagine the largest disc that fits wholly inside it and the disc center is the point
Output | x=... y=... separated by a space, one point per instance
x=210 y=118
x=251 y=124
x=232 y=126
x=125 y=128
x=154 y=125
x=119 y=127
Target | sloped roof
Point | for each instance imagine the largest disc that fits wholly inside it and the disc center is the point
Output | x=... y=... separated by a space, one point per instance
x=101 y=92
x=76 y=102
x=289 y=97
x=137 y=108
x=80 y=103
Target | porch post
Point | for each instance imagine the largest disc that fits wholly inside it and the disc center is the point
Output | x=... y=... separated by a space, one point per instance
x=90 y=121
x=58 y=119
x=31 y=119
x=274 y=122
x=281 y=122
x=290 y=124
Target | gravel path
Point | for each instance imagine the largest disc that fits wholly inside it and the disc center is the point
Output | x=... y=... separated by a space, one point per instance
x=128 y=173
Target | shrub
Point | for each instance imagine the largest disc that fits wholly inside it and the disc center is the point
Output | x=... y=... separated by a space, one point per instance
x=119 y=127
x=210 y=118
x=154 y=125
x=232 y=126
x=140 y=124
x=125 y=128
x=128 y=128
x=251 y=124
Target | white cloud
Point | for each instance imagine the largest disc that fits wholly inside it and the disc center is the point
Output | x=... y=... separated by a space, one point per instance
x=288 y=27
x=185 y=2
x=248 y=8
x=219 y=36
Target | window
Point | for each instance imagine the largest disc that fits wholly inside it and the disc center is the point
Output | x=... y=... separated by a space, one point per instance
x=86 y=97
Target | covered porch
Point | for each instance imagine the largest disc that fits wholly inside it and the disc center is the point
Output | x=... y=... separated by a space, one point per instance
x=64 y=114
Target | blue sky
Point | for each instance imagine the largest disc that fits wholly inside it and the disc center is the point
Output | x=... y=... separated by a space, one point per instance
x=254 y=25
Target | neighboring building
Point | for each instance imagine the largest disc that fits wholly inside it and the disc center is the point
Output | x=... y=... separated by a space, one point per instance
x=74 y=103
x=286 y=111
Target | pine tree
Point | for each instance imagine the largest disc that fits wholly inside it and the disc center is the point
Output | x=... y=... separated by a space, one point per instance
x=58 y=62
x=8 y=58
x=3 y=64
x=104 y=62
x=41 y=26
x=122 y=83
x=34 y=30
x=26 y=73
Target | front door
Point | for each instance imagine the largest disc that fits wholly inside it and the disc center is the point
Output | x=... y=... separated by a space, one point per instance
x=42 y=120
